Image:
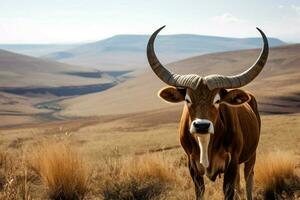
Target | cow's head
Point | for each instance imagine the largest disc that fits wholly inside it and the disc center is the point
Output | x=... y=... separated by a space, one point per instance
x=203 y=95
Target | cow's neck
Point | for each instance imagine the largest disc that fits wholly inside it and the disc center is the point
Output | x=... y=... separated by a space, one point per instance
x=219 y=157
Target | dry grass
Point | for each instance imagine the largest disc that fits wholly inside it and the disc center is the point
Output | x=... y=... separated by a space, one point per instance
x=97 y=140
x=63 y=171
x=162 y=175
x=15 y=180
x=275 y=175
x=137 y=177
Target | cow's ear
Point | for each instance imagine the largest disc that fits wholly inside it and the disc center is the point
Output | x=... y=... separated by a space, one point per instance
x=234 y=97
x=172 y=94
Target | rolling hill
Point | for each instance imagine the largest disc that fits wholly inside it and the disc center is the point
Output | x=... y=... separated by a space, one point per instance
x=17 y=70
x=26 y=82
x=277 y=88
x=127 y=52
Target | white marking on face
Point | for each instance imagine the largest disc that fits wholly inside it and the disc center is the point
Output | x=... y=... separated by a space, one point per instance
x=217 y=100
x=188 y=99
x=203 y=141
x=210 y=129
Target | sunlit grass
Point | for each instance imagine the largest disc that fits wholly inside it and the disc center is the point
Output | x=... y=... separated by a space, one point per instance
x=63 y=171
x=275 y=174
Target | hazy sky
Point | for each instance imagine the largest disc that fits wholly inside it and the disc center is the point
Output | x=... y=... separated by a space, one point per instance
x=65 y=21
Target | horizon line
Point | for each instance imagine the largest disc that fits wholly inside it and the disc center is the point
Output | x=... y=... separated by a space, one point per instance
x=105 y=38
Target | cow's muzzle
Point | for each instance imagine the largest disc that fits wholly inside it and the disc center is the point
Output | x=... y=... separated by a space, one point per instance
x=202 y=126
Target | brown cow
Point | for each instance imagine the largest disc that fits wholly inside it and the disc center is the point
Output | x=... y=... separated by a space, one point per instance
x=219 y=129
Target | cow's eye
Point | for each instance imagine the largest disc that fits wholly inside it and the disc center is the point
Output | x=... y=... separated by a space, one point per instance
x=187 y=101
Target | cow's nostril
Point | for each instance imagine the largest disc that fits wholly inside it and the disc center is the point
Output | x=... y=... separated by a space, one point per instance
x=201 y=126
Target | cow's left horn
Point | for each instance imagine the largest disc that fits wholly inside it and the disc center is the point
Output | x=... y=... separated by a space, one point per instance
x=170 y=78
x=219 y=81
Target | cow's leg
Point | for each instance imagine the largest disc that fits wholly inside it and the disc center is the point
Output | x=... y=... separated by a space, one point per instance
x=197 y=179
x=238 y=183
x=249 y=173
x=230 y=176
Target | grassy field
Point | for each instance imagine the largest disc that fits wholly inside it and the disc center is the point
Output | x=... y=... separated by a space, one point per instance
x=110 y=151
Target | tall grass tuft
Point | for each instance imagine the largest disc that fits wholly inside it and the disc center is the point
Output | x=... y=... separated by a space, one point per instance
x=138 y=177
x=275 y=175
x=62 y=170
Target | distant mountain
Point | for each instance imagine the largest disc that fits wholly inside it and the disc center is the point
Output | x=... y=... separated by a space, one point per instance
x=123 y=52
x=36 y=50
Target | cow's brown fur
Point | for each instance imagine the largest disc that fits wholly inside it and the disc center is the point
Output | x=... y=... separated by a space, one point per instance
x=235 y=139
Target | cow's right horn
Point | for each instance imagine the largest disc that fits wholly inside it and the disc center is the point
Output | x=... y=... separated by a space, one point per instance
x=220 y=81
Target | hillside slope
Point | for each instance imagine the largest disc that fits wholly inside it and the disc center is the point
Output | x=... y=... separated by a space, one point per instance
x=17 y=70
x=277 y=88
x=26 y=82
